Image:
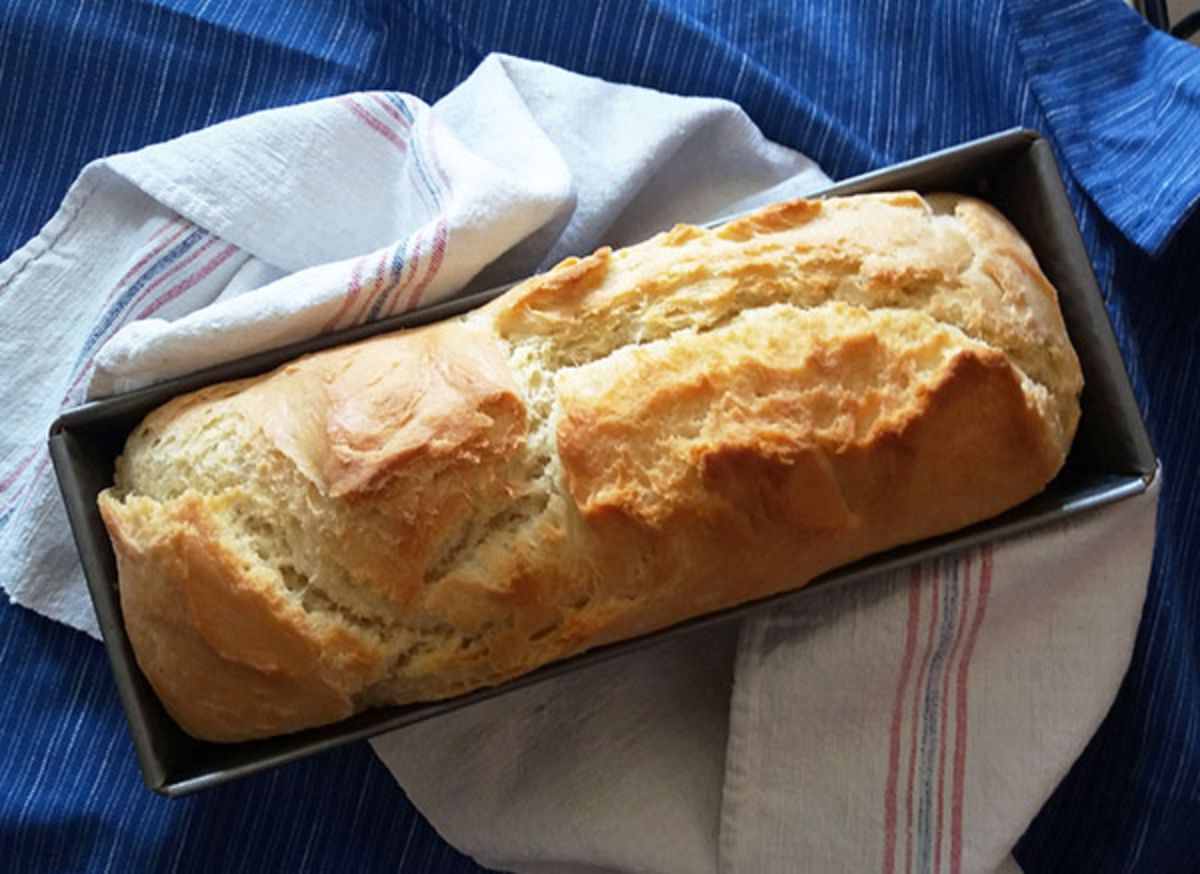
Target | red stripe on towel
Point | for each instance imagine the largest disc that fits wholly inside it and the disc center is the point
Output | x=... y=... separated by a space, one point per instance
x=960 y=714
x=893 y=774
x=916 y=721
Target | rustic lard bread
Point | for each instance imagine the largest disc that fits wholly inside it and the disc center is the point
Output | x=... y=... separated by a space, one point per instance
x=631 y=439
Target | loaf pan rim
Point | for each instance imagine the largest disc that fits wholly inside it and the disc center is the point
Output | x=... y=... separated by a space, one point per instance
x=157 y=776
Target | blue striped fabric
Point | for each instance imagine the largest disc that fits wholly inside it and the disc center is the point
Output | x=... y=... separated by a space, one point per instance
x=855 y=85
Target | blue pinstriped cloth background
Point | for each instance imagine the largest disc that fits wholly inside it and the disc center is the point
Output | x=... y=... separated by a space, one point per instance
x=855 y=85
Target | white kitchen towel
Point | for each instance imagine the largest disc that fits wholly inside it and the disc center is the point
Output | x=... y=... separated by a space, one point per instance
x=859 y=729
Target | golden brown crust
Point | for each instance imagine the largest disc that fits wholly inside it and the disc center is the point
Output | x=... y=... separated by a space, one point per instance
x=228 y=656
x=628 y=440
x=356 y=420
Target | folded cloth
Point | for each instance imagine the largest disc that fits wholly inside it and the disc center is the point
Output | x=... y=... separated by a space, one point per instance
x=919 y=720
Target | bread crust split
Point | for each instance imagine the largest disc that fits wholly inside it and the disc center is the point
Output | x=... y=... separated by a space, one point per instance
x=629 y=440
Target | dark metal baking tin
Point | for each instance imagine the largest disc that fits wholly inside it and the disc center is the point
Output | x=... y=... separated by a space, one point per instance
x=1111 y=459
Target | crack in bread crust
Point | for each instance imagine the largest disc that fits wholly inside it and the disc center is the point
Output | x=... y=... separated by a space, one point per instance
x=954 y=258
x=630 y=439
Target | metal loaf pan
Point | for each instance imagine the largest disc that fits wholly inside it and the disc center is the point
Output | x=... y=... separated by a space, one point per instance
x=1111 y=459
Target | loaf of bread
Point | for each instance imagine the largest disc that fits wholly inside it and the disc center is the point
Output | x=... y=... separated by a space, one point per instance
x=626 y=441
